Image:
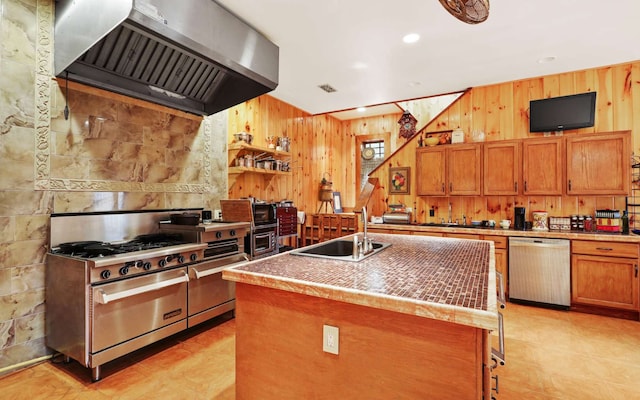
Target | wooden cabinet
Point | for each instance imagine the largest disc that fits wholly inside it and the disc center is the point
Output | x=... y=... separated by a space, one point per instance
x=449 y=170
x=599 y=164
x=604 y=274
x=430 y=165
x=502 y=258
x=542 y=166
x=501 y=168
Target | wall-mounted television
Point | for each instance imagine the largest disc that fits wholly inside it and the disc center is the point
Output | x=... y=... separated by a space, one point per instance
x=562 y=113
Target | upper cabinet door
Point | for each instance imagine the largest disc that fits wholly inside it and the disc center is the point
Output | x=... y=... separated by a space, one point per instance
x=464 y=169
x=430 y=174
x=542 y=166
x=599 y=163
x=501 y=168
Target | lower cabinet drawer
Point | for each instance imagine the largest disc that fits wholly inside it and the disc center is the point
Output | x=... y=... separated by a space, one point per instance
x=607 y=249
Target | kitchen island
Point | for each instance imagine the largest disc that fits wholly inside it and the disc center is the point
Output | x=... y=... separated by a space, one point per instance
x=413 y=319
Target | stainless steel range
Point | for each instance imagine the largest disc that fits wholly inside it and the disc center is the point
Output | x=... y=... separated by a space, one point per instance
x=116 y=282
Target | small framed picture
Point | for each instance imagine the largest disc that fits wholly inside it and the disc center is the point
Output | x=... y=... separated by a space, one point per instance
x=399 y=180
x=337 y=203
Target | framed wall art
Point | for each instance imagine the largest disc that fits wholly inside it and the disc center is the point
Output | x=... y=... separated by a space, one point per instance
x=399 y=180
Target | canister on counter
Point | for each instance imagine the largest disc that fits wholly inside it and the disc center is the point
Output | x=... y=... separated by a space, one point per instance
x=540 y=221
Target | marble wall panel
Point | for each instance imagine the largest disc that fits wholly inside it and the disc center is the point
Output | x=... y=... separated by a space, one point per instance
x=21 y=304
x=16 y=159
x=29 y=227
x=5 y=281
x=25 y=203
x=29 y=328
x=24 y=252
x=16 y=96
x=70 y=167
x=7 y=229
x=110 y=170
x=19 y=31
x=23 y=351
x=27 y=278
x=7 y=334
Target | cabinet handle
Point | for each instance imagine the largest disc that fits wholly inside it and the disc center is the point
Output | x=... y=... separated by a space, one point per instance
x=515 y=186
x=569 y=184
x=443 y=188
x=525 y=186
x=604 y=248
x=495 y=377
x=636 y=268
x=450 y=186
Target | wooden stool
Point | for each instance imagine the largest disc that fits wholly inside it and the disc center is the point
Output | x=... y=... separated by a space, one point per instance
x=325 y=203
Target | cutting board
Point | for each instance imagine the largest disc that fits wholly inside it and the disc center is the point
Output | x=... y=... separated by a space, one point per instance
x=236 y=210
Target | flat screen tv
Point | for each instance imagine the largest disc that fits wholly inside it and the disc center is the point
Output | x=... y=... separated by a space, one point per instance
x=562 y=113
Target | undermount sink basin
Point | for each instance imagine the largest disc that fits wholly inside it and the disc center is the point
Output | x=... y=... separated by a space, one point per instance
x=338 y=250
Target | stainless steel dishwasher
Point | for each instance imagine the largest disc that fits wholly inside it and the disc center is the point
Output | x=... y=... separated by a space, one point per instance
x=539 y=271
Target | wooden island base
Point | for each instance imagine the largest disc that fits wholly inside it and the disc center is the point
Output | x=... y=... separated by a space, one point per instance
x=382 y=354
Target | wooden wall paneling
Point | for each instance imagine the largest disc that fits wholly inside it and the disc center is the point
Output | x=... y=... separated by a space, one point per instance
x=553 y=205
x=604 y=98
x=492 y=113
x=586 y=204
x=605 y=202
x=464 y=106
x=494 y=208
x=551 y=86
x=478 y=109
x=622 y=99
x=520 y=109
x=506 y=111
x=635 y=95
x=569 y=206
x=535 y=91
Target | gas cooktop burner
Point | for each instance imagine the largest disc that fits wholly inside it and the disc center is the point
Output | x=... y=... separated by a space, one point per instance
x=92 y=248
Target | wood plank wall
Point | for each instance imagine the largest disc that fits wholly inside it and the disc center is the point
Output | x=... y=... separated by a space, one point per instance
x=324 y=144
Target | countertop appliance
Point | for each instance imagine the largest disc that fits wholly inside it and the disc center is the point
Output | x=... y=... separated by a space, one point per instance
x=262 y=240
x=396 y=218
x=539 y=271
x=115 y=283
x=519 y=218
x=192 y=55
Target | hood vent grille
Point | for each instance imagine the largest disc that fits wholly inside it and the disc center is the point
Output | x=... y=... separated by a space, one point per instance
x=125 y=52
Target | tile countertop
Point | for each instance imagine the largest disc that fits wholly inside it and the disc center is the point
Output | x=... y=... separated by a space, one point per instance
x=440 y=278
x=599 y=236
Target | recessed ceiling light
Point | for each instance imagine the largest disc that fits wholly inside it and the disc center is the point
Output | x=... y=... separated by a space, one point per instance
x=359 y=65
x=411 y=38
x=414 y=83
x=545 y=60
x=361 y=109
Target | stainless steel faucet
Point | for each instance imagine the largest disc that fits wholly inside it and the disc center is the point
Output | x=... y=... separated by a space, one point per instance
x=365 y=245
x=450 y=213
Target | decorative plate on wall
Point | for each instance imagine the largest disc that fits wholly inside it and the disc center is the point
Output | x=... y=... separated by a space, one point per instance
x=368 y=153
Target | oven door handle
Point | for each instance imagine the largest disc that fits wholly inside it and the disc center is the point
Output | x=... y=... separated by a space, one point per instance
x=202 y=274
x=105 y=298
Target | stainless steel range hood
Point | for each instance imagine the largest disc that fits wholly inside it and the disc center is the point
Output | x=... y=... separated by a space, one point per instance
x=192 y=55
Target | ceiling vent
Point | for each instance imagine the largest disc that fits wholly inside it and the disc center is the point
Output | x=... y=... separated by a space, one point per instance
x=327 y=88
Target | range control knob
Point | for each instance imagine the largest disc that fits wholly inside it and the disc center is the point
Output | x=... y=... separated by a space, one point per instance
x=162 y=263
x=180 y=258
x=124 y=270
x=193 y=257
x=146 y=265
x=169 y=258
x=218 y=235
x=139 y=264
x=232 y=232
x=105 y=274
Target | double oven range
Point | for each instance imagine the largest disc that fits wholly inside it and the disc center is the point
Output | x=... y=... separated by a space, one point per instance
x=117 y=281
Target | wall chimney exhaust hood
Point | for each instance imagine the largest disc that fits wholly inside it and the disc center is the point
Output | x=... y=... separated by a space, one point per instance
x=191 y=55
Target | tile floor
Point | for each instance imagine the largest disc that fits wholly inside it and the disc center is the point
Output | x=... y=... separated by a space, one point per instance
x=550 y=355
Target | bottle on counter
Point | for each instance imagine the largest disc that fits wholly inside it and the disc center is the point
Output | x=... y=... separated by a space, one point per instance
x=625 y=222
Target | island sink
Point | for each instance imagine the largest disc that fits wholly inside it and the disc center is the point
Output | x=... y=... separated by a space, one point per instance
x=338 y=250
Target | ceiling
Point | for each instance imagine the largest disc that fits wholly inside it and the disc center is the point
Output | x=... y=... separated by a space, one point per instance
x=356 y=46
